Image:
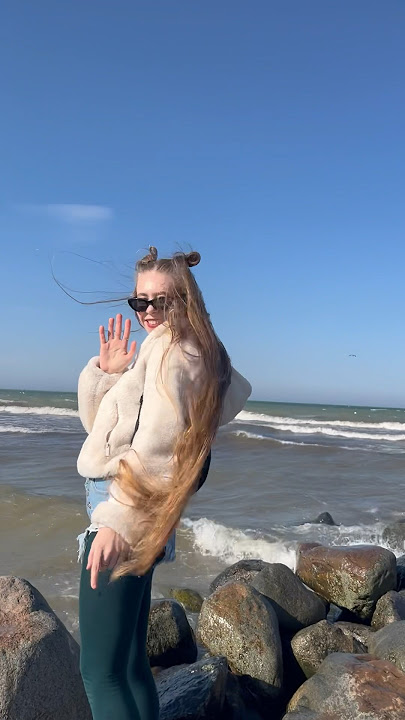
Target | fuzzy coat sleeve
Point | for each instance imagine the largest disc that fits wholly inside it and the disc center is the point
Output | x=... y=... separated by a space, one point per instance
x=162 y=419
x=94 y=383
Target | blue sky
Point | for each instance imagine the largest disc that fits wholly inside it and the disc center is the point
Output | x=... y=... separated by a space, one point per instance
x=267 y=135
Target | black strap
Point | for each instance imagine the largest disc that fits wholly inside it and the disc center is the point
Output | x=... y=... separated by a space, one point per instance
x=205 y=467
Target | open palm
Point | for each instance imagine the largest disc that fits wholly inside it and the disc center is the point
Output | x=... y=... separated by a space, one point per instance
x=114 y=353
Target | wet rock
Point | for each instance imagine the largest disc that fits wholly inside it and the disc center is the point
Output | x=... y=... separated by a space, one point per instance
x=239 y=623
x=389 y=644
x=389 y=609
x=190 y=599
x=361 y=633
x=170 y=640
x=39 y=659
x=324 y=518
x=350 y=687
x=311 y=645
x=351 y=577
x=394 y=535
x=296 y=607
x=401 y=573
x=241 y=571
x=193 y=692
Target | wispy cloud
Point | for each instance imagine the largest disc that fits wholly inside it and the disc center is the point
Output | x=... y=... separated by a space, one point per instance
x=72 y=214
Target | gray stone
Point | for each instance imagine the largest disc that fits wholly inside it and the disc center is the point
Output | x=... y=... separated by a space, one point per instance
x=351 y=687
x=390 y=608
x=295 y=605
x=394 y=535
x=241 y=571
x=238 y=622
x=193 y=692
x=170 y=640
x=190 y=599
x=389 y=644
x=401 y=573
x=353 y=577
x=324 y=518
x=361 y=633
x=311 y=645
x=39 y=659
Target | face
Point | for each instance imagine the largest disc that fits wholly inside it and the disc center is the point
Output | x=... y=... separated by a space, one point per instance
x=152 y=284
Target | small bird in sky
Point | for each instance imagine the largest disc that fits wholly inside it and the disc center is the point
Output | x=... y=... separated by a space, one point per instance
x=352 y=355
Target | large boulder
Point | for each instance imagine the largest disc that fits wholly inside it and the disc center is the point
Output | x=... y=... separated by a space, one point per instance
x=241 y=571
x=311 y=645
x=39 y=660
x=351 y=687
x=351 y=577
x=238 y=622
x=389 y=609
x=389 y=644
x=193 y=692
x=170 y=640
x=394 y=535
x=295 y=605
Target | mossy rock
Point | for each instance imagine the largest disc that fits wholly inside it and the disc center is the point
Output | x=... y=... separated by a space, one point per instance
x=190 y=599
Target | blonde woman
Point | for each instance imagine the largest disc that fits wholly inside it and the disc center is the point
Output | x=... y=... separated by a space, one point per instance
x=150 y=429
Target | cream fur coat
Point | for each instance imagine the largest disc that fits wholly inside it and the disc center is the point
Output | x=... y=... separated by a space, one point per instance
x=109 y=407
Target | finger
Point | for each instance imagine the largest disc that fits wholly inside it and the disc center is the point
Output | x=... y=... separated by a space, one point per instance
x=95 y=569
x=110 y=328
x=132 y=349
x=90 y=558
x=118 y=326
x=102 y=335
x=127 y=330
x=113 y=561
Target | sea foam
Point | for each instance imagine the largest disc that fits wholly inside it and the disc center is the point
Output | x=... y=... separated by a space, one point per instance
x=19 y=410
x=231 y=544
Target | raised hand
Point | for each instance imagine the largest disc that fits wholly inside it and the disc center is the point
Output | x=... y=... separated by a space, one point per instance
x=114 y=353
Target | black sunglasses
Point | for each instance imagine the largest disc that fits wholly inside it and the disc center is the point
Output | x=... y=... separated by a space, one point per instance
x=141 y=304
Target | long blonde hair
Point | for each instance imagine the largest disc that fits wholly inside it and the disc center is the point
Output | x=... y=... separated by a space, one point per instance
x=188 y=320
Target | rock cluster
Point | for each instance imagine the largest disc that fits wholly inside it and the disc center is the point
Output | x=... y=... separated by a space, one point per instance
x=324 y=643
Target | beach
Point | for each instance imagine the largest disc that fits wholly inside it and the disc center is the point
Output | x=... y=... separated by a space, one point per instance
x=274 y=470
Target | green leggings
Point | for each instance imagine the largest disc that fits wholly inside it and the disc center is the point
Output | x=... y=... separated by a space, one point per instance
x=113 y=628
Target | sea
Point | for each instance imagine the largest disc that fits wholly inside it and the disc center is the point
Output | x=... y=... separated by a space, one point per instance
x=274 y=470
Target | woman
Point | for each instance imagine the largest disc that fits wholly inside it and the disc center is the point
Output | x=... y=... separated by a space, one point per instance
x=150 y=430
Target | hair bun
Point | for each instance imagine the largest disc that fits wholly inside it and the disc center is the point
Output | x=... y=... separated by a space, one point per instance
x=153 y=253
x=192 y=258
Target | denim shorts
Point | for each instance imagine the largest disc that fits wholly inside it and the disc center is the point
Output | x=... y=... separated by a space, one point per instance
x=97 y=492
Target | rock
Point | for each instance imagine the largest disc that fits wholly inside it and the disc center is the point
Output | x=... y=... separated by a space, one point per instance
x=361 y=633
x=296 y=607
x=238 y=622
x=324 y=518
x=170 y=640
x=241 y=571
x=401 y=573
x=351 y=687
x=311 y=645
x=39 y=659
x=192 y=692
x=389 y=609
x=389 y=644
x=351 y=577
x=394 y=535
x=190 y=599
